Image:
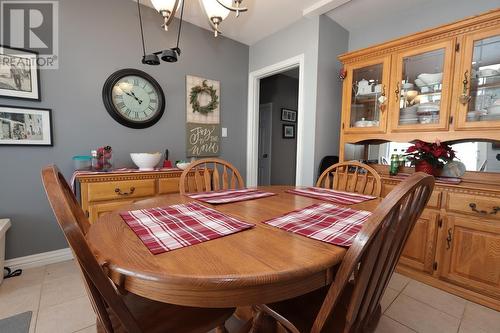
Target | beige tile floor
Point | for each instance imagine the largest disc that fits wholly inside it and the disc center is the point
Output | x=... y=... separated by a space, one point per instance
x=56 y=295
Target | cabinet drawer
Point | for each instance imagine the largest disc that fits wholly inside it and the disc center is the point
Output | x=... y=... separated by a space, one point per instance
x=485 y=207
x=121 y=189
x=168 y=185
x=434 y=200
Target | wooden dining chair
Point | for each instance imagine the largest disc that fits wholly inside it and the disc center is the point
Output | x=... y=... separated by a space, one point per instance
x=352 y=302
x=351 y=176
x=211 y=174
x=119 y=311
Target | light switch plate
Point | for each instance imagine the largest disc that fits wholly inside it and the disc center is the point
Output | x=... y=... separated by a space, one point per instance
x=224 y=132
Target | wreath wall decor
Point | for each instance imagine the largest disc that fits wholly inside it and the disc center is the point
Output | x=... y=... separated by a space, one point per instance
x=204 y=88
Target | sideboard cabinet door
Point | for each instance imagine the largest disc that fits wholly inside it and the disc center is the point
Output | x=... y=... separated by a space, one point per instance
x=470 y=254
x=420 y=249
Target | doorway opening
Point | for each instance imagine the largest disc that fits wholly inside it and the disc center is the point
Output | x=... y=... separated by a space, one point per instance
x=278 y=120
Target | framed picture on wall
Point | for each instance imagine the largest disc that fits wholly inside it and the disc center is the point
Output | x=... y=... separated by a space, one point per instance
x=288 y=131
x=20 y=126
x=19 y=74
x=288 y=115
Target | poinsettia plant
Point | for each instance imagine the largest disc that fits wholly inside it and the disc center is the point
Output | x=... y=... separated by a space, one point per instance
x=437 y=154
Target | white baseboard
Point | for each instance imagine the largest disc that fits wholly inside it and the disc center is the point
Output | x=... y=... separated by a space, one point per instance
x=39 y=259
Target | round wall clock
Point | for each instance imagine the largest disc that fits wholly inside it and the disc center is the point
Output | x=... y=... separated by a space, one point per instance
x=133 y=98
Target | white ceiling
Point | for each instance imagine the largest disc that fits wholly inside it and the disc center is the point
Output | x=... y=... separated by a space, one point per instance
x=263 y=18
x=358 y=14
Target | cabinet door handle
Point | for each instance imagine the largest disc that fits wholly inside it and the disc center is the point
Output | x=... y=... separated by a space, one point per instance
x=448 y=239
x=465 y=98
x=494 y=211
x=119 y=191
x=397 y=91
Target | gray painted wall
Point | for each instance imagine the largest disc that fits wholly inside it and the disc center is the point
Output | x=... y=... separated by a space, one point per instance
x=300 y=38
x=333 y=40
x=427 y=14
x=283 y=92
x=96 y=39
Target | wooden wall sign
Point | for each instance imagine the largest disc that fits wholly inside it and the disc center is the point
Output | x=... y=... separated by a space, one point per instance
x=202 y=117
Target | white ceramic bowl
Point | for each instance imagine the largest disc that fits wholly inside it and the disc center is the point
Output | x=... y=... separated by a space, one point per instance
x=431 y=78
x=146 y=161
x=183 y=165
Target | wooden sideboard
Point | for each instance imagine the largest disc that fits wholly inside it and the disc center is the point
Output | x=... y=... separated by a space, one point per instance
x=105 y=192
x=455 y=245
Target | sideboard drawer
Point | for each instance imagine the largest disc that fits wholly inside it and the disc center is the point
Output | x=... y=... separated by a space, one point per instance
x=168 y=185
x=434 y=200
x=482 y=206
x=121 y=189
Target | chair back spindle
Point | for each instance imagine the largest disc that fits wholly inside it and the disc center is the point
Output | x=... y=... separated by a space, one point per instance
x=353 y=177
x=74 y=224
x=372 y=258
x=205 y=176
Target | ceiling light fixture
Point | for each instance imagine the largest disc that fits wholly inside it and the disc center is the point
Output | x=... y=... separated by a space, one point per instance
x=168 y=55
x=216 y=10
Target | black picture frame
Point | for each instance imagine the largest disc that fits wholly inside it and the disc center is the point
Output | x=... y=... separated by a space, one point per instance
x=288 y=131
x=34 y=75
x=47 y=125
x=288 y=115
x=107 y=97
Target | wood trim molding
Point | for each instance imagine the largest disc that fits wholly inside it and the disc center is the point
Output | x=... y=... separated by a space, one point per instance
x=470 y=24
x=39 y=259
x=93 y=178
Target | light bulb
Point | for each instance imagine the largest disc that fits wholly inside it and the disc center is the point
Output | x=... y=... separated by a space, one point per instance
x=214 y=10
x=163 y=5
x=166 y=9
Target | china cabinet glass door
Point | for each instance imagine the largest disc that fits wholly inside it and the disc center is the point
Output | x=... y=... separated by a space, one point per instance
x=479 y=99
x=421 y=88
x=365 y=90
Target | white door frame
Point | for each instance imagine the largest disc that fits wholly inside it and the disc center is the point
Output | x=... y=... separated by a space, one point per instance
x=270 y=148
x=253 y=116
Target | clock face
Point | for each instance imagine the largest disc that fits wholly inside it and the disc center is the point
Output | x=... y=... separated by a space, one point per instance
x=133 y=98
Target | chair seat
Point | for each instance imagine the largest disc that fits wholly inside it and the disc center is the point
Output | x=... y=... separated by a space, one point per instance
x=157 y=317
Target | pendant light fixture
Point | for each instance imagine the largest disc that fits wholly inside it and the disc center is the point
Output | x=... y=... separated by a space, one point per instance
x=167 y=55
x=216 y=10
x=167 y=9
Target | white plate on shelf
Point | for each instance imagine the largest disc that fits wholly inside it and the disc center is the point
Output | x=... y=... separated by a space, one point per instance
x=493 y=110
x=487 y=72
x=431 y=79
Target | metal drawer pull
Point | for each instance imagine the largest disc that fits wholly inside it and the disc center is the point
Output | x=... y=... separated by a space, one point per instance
x=119 y=191
x=494 y=211
x=448 y=239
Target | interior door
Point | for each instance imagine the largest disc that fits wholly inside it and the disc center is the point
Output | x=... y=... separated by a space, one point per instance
x=265 y=140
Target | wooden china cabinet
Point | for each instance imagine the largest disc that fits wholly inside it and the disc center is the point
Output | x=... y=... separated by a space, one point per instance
x=442 y=83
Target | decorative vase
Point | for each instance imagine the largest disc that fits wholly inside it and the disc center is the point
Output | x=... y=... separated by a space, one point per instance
x=454 y=169
x=424 y=166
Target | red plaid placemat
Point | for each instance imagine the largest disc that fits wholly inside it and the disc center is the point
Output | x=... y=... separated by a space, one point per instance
x=338 y=197
x=174 y=227
x=325 y=222
x=227 y=196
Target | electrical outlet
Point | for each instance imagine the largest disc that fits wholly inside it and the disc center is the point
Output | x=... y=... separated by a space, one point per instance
x=224 y=132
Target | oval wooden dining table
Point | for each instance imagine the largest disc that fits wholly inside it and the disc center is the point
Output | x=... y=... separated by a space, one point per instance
x=260 y=265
